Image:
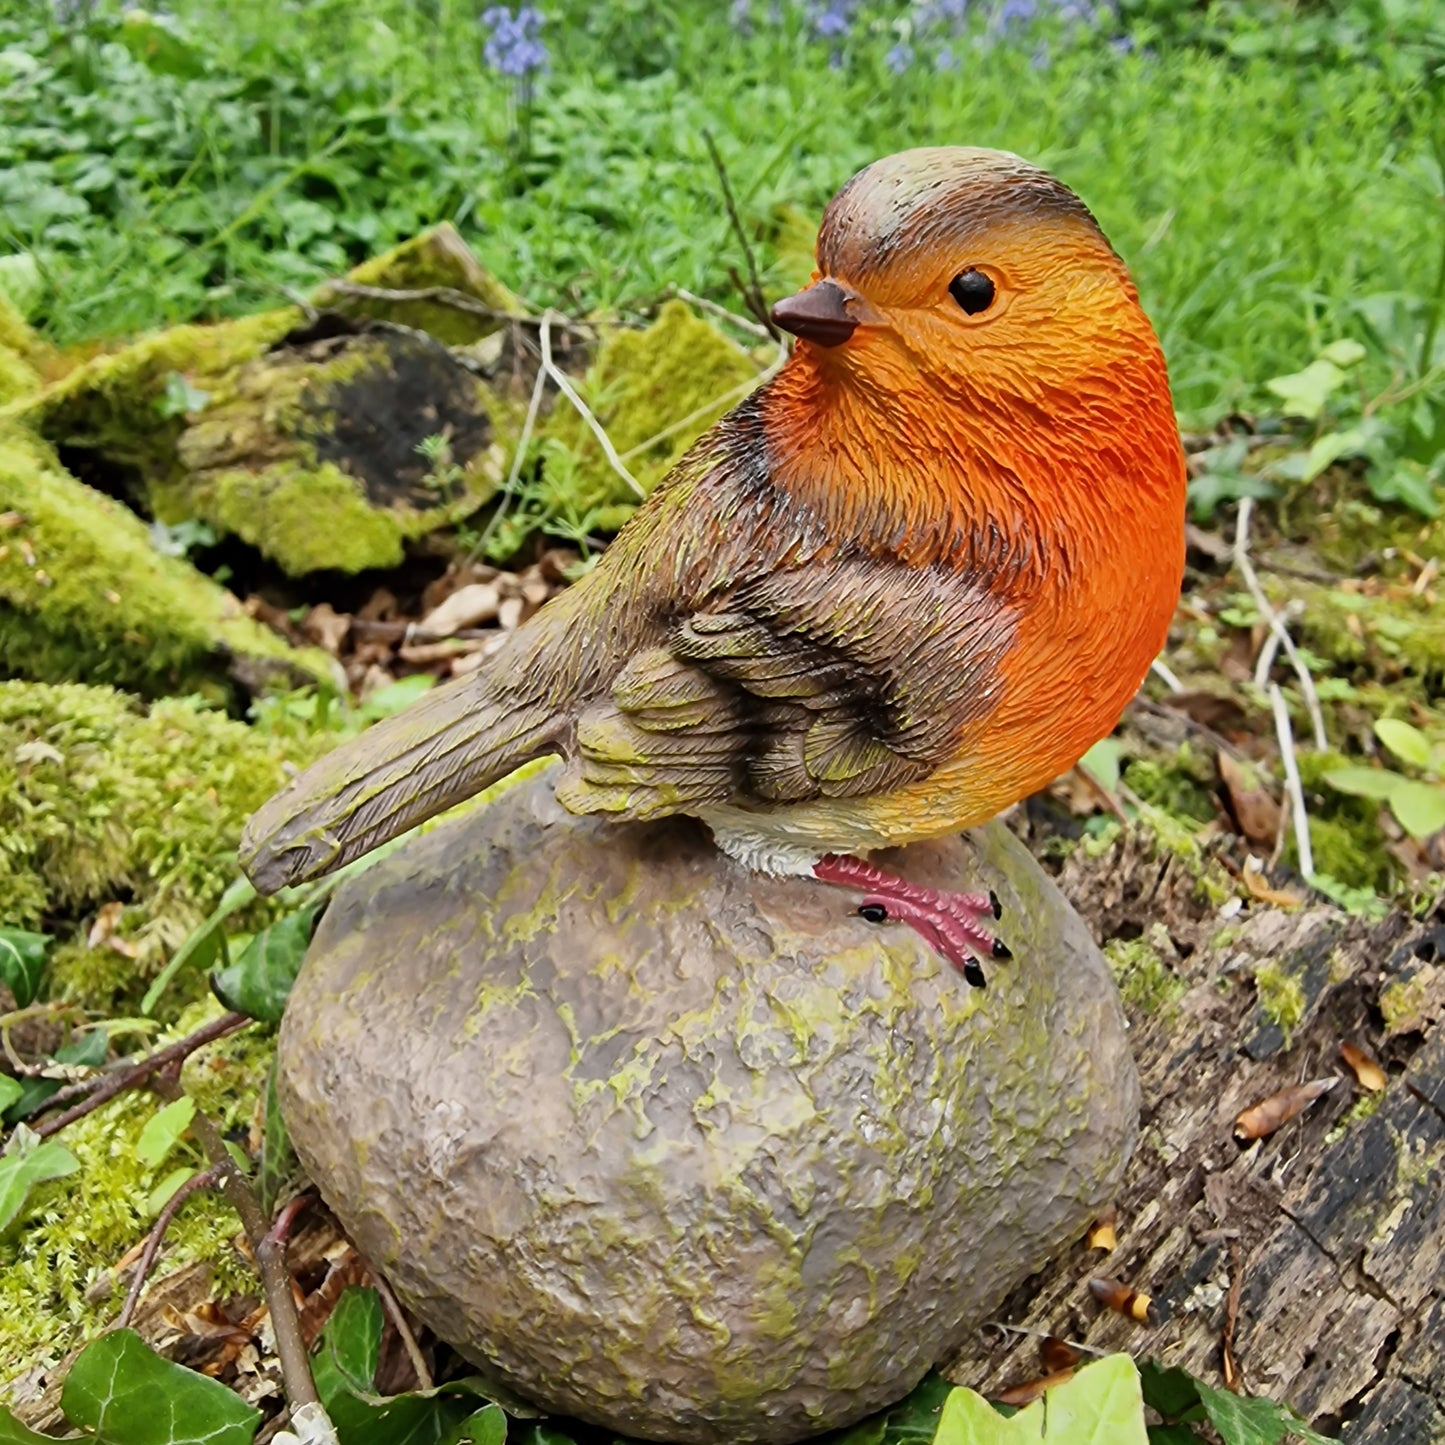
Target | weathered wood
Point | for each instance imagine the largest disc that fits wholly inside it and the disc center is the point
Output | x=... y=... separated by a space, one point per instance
x=1336 y=1222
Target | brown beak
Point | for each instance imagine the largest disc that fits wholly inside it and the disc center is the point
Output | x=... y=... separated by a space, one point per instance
x=819 y=314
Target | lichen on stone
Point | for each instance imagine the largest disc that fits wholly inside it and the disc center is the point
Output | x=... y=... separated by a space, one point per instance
x=103 y=801
x=1144 y=979
x=680 y=372
x=84 y=593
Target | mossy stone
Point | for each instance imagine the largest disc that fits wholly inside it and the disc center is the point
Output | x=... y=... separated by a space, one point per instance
x=689 y=1153
x=85 y=594
x=655 y=392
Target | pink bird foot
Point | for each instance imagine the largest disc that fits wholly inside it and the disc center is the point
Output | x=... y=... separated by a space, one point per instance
x=949 y=923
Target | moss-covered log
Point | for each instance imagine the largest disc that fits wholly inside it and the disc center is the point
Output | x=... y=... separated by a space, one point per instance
x=85 y=594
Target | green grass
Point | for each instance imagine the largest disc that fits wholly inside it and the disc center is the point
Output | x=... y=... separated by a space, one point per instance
x=1264 y=200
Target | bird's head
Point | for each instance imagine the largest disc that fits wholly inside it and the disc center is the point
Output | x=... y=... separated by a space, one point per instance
x=967 y=306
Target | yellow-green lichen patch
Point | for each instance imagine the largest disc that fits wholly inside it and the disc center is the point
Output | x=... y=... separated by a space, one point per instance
x=310 y=453
x=680 y=373
x=89 y=596
x=19 y=352
x=55 y=1261
x=1281 y=996
x=1144 y=979
x=437 y=258
x=101 y=801
x=1389 y=631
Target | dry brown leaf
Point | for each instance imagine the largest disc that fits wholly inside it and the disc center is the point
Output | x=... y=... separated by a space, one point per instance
x=326 y=627
x=1259 y=890
x=1251 y=804
x=466 y=607
x=1056 y=1354
x=105 y=924
x=1261 y=1120
x=1030 y=1390
x=1368 y=1074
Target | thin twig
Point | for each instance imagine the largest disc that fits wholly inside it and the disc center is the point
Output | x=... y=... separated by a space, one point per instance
x=1190 y=724
x=1276 y=625
x=442 y=295
x=138 y=1073
x=207 y=1180
x=703 y=304
x=564 y=385
x=1166 y=675
x=270 y=1256
x=393 y=1309
x=1293 y=786
x=753 y=291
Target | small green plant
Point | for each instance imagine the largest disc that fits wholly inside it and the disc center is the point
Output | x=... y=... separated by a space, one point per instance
x=1418 y=803
x=443 y=475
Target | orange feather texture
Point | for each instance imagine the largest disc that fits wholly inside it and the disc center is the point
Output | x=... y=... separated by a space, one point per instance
x=907 y=582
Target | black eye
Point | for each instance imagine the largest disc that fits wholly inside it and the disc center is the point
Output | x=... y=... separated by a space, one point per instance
x=972 y=290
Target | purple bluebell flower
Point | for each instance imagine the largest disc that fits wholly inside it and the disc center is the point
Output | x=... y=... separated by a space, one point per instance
x=1016 y=12
x=740 y=16
x=1122 y=44
x=899 y=58
x=834 y=19
x=945 y=59
x=514 y=48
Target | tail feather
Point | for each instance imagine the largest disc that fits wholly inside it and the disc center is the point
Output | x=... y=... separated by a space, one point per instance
x=445 y=747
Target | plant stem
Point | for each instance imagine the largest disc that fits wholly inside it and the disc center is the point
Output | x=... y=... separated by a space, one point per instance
x=206 y=1180
x=146 y=1068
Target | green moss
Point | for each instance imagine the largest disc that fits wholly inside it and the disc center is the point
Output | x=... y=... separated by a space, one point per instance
x=1144 y=979
x=1281 y=996
x=1403 y=1001
x=1363 y=1107
x=1346 y=838
x=249 y=463
x=680 y=372
x=55 y=1263
x=112 y=404
x=101 y=801
x=438 y=257
x=1181 y=785
x=19 y=353
x=89 y=596
x=1389 y=632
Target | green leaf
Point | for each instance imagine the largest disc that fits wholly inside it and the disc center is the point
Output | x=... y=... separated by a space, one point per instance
x=258 y=983
x=395 y=696
x=1304 y=393
x=20 y=281
x=1169 y=1390
x=1365 y=782
x=163 y=1131
x=279 y=1165
x=1101 y=763
x=21 y=1171
x=1253 y=1420
x=1101 y=1405
x=1406 y=482
x=912 y=1418
x=12 y=1432
x=1407 y=742
x=203 y=944
x=1173 y=1435
x=1344 y=352
x=349 y=1347
x=487 y=1427
x=160 y=1196
x=129 y=1395
x=10 y=1090
x=1419 y=808
x=1329 y=448
x=22 y=961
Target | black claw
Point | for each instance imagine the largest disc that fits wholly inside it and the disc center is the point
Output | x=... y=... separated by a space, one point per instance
x=974 y=974
x=1001 y=950
x=874 y=913
x=995 y=904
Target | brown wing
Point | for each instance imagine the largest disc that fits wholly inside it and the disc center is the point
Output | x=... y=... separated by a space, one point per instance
x=808 y=684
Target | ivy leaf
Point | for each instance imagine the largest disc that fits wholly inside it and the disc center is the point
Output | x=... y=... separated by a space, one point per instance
x=163 y=1131
x=1101 y=1405
x=258 y=983
x=1101 y=763
x=1172 y=1435
x=129 y=1395
x=914 y=1418
x=31 y=1164
x=12 y=1432
x=487 y=1427
x=1304 y=393
x=1170 y=1391
x=1419 y=807
x=350 y=1346
x=22 y=961
x=1407 y=743
x=1253 y=1420
x=10 y=1090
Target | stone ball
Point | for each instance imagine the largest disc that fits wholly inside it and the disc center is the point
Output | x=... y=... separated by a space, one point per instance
x=693 y=1154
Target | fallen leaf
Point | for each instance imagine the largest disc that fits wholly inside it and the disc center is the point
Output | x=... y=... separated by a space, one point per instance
x=1251 y=804
x=1057 y=1354
x=1368 y=1074
x=1261 y=1120
x=1259 y=890
x=105 y=924
x=466 y=607
x=1030 y=1390
x=326 y=627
